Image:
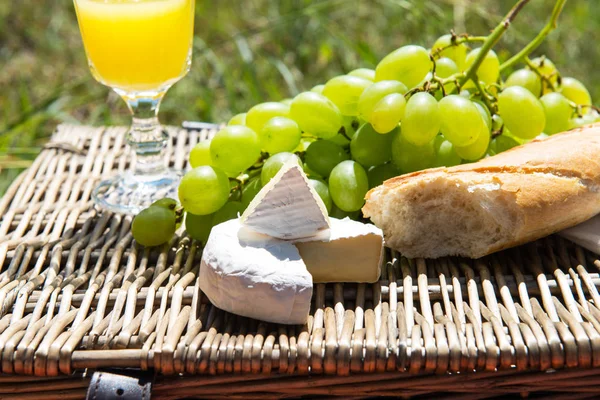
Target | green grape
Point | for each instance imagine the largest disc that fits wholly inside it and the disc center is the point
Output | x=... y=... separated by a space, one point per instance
x=258 y=115
x=168 y=203
x=343 y=139
x=323 y=191
x=304 y=143
x=229 y=211
x=310 y=173
x=348 y=185
x=548 y=70
x=198 y=227
x=274 y=164
x=381 y=173
x=501 y=143
x=519 y=140
x=457 y=53
x=425 y=79
x=575 y=91
x=350 y=124
x=316 y=114
x=388 y=113
x=445 y=155
x=365 y=73
x=545 y=66
x=203 y=190
x=200 y=154
x=445 y=67
x=489 y=69
x=476 y=150
x=408 y=64
x=438 y=95
x=374 y=93
x=340 y=214
x=522 y=112
x=527 y=79
x=344 y=91
x=558 y=112
x=234 y=148
x=232 y=184
x=409 y=158
x=250 y=189
x=497 y=123
x=370 y=148
x=238 y=119
x=493 y=90
x=317 y=89
x=484 y=112
x=586 y=119
x=340 y=139
x=153 y=226
x=279 y=134
x=322 y=155
x=421 y=120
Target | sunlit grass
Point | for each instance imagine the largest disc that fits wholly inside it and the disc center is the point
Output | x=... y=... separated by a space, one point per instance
x=246 y=52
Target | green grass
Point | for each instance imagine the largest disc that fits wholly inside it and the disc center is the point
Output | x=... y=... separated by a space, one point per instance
x=250 y=51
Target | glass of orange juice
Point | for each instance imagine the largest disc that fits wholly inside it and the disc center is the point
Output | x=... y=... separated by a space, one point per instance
x=139 y=48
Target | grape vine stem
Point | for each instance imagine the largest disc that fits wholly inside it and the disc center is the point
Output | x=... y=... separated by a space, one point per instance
x=457 y=40
x=593 y=107
x=484 y=95
x=492 y=39
x=547 y=79
x=549 y=27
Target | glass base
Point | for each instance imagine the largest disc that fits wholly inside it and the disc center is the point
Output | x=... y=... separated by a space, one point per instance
x=130 y=194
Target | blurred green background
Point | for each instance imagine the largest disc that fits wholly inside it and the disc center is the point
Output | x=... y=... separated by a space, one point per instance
x=250 y=51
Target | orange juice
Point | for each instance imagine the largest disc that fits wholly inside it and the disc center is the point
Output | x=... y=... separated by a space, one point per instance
x=137 y=45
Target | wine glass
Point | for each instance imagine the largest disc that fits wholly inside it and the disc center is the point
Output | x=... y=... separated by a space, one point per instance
x=139 y=48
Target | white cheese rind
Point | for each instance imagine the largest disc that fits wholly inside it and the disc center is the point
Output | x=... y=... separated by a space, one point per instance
x=349 y=252
x=255 y=276
x=287 y=207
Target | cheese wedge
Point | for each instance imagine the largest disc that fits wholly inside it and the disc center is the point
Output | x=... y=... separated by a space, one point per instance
x=349 y=252
x=255 y=275
x=287 y=207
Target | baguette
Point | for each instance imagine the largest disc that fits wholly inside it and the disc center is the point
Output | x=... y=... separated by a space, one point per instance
x=473 y=210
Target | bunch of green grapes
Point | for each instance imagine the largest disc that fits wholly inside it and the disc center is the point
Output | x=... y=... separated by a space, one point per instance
x=418 y=108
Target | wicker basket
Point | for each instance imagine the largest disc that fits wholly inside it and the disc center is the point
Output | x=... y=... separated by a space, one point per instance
x=77 y=295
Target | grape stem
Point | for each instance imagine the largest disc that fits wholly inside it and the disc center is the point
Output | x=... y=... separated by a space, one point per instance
x=343 y=133
x=179 y=211
x=593 y=107
x=456 y=40
x=437 y=79
x=484 y=94
x=492 y=39
x=549 y=27
x=545 y=78
x=438 y=83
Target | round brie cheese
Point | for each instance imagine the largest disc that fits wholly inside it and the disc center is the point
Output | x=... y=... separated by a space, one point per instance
x=255 y=275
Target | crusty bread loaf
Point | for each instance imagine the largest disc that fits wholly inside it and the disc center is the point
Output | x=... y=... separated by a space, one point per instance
x=475 y=209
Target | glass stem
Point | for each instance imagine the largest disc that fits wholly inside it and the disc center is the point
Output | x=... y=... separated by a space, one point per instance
x=146 y=136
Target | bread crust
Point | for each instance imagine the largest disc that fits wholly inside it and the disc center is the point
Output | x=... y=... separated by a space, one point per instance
x=541 y=187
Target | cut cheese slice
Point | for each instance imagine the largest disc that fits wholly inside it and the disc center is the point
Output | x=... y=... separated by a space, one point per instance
x=255 y=275
x=287 y=207
x=349 y=252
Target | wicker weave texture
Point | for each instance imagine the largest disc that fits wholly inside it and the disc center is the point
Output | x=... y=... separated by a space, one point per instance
x=76 y=292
